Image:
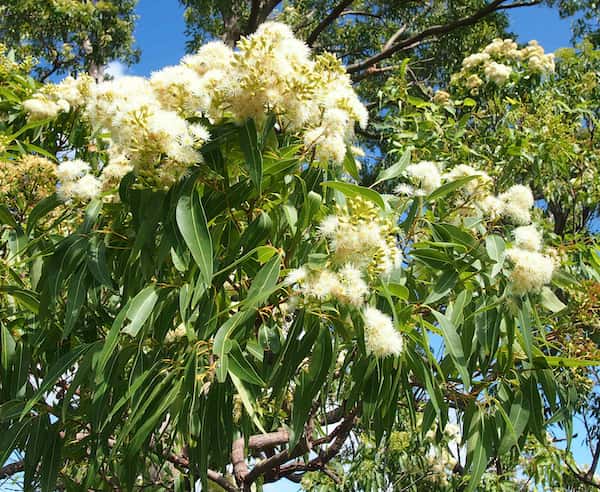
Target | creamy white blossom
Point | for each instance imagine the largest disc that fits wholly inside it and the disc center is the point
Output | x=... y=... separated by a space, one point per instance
x=381 y=337
x=528 y=237
x=72 y=170
x=426 y=174
x=329 y=226
x=531 y=270
x=271 y=72
x=517 y=202
x=297 y=275
x=497 y=72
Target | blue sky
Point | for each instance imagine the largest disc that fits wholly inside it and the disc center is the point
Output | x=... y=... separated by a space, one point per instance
x=160 y=32
x=160 y=35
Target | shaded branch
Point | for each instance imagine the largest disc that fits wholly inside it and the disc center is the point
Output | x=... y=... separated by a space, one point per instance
x=360 y=13
x=582 y=477
x=11 y=469
x=520 y=4
x=253 y=17
x=213 y=476
x=434 y=31
x=327 y=21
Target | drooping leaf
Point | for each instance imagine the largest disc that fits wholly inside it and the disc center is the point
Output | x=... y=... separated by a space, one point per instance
x=265 y=283
x=193 y=226
x=350 y=189
x=395 y=170
x=140 y=309
x=252 y=154
x=454 y=346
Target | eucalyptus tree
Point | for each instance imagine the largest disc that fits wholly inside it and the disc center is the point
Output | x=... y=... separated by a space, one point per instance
x=209 y=295
x=69 y=36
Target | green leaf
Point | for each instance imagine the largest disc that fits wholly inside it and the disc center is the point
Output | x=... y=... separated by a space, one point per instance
x=75 y=299
x=442 y=287
x=264 y=284
x=26 y=298
x=450 y=187
x=56 y=371
x=51 y=460
x=193 y=226
x=494 y=245
x=395 y=170
x=221 y=347
x=556 y=361
x=42 y=209
x=516 y=424
x=240 y=367
x=9 y=439
x=310 y=384
x=252 y=154
x=8 y=348
x=478 y=450
x=454 y=346
x=7 y=218
x=350 y=189
x=152 y=420
x=140 y=310
x=247 y=400
x=550 y=301
x=349 y=165
x=526 y=329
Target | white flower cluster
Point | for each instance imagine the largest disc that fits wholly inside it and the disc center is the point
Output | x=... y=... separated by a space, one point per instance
x=427 y=177
x=381 y=337
x=532 y=269
x=515 y=205
x=439 y=457
x=75 y=180
x=362 y=246
x=148 y=120
x=54 y=99
x=499 y=60
x=173 y=335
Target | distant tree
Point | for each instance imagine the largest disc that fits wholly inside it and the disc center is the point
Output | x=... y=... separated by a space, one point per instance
x=69 y=36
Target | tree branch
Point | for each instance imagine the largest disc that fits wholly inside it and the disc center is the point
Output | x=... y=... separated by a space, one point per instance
x=12 y=469
x=253 y=17
x=360 y=13
x=594 y=465
x=213 y=476
x=582 y=477
x=328 y=20
x=520 y=4
x=267 y=9
x=433 y=31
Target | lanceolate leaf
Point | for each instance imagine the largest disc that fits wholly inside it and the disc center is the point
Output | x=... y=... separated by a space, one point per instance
x=193 y=226
x=26 y=298
x=478 y=450
x=220 y=345
x=450 y=187
x=140 y=309
x=42 y=209
x=518 y=418
x=454 y=346
x=252 y=154
x=7 y=218
x=264 y=283
x=59 y=368
x=395 y=170
x=350 y=189
x=311 y=383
